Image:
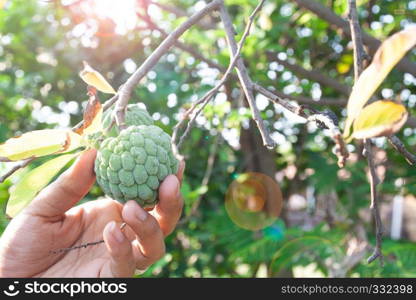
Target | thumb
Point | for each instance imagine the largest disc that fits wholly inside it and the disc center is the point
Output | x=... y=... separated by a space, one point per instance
x=67 y=190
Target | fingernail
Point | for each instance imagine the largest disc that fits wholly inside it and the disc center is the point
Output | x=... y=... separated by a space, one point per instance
x=141 y=213
x=117 y=232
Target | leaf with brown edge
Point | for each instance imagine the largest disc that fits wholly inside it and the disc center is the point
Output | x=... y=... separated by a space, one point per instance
x=380 y=118
x=92 y=116
x=39 y=143
x=390 y=52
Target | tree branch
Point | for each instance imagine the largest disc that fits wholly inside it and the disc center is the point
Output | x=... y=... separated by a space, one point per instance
x=401 y=148
x=242 y=73
x=374 y=181
x=359 y=58
x=126 y=90
x=16 y=167
x=184 y=47
x=324 y=120
x=207 y=97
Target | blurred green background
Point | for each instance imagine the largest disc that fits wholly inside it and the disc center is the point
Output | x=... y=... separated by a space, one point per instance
x=325 y=228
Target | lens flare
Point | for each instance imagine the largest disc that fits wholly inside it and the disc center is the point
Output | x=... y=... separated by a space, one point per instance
x=253 y=201
x=121 y=12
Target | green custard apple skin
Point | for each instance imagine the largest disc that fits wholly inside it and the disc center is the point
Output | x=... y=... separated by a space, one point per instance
x=132 y=165
x=135 y=115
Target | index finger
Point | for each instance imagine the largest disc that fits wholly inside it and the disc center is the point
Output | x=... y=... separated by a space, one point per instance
x=169 y=209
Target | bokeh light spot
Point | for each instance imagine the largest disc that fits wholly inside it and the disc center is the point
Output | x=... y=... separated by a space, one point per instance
x=253 y=201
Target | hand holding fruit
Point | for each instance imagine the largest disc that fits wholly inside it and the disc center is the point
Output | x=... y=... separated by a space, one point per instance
x=52 y=222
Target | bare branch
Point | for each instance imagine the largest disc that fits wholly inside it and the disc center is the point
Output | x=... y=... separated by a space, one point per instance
x=16 y=167
x=322 y=119
x=401 y=148
x=276 y=99
x=208 y=96
x=182 y=46
x=359 y=58
x=245 y=80
x=300 y=99
x=374 y=181
x=126 y=90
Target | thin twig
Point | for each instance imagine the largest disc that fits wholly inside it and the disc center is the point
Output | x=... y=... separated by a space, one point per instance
x=242 y=73
x=324 y=120
x=16 y=167
x=276 y=99
x=208 y=96
x=184 y=47
x=401 y=148
x=374 y=181
x=359 y=58
x=126 y=90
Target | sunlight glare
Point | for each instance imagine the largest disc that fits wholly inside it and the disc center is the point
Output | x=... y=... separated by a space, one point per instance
x=122 y=12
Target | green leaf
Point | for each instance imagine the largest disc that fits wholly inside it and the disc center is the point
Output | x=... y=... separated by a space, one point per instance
x=380 y=118
x=33 y=181
x=39 y=143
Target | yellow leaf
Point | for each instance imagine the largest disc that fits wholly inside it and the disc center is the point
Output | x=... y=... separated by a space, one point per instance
x=95 y=79
x=380 y=118
x=387 y=56
x=32 y=182
x=39 y=143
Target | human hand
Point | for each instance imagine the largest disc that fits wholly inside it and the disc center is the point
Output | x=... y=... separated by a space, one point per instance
x=52 y=222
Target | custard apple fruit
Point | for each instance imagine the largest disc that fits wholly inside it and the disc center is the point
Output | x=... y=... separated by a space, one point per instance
x=135 y=115
x=132 y=165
